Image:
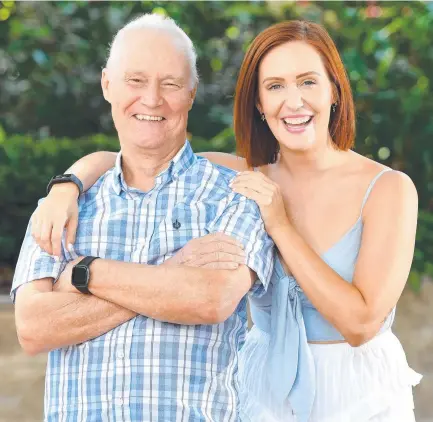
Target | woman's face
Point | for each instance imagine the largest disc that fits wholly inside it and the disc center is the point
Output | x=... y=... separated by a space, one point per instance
x=295 y=95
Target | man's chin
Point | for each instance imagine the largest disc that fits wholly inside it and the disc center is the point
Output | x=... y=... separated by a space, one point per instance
x=151 y=143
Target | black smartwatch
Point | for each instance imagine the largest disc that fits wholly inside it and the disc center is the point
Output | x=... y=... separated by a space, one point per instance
x=65 y=178
x=81 y=274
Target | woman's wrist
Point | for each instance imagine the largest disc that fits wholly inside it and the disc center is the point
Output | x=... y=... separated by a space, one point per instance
x=63 y=179
x=69 y=189
x=282 y=233
x=280 y=228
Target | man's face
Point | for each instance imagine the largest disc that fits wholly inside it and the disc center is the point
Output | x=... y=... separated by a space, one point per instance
x=148 y=84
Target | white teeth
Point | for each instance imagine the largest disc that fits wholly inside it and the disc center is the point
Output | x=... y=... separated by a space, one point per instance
x=149 y=118
x=297 y=121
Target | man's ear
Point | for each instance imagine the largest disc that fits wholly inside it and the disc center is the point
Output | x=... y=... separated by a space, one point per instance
x=193 y=93
x=105 y=84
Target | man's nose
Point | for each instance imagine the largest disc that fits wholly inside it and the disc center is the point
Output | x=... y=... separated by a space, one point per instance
x=151 y=97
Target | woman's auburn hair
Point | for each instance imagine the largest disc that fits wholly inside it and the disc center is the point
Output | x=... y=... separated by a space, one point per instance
x=254 y=140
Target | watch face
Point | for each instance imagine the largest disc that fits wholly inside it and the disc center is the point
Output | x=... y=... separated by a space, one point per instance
x=80 y=275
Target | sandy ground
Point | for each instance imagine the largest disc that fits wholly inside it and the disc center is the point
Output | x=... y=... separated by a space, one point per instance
x=22 y=377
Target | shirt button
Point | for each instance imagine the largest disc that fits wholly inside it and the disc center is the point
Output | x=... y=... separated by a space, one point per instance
x=120 y=355
x=119 y=401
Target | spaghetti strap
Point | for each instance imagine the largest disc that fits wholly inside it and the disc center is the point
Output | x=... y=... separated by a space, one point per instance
x=370 y=187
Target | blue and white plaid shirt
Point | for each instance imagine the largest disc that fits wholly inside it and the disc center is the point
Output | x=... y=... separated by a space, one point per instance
x=147 y=370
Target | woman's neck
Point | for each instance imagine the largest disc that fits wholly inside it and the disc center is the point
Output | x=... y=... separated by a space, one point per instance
x=314 y=161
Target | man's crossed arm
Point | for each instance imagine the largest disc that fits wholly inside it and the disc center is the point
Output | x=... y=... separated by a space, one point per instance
x=202 y=284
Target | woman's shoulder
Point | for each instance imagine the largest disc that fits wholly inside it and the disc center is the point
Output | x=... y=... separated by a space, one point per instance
x=226 y=160
x=388 y=176
x=384 y=184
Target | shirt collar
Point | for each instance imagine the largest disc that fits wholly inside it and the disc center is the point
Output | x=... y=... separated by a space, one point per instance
x=178 y=165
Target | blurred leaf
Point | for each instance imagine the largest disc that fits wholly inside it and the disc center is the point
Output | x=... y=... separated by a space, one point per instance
x=414 y=280
x=52 y=53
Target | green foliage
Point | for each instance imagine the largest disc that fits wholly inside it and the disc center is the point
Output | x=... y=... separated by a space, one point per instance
x=51 y=55
x=25 y=169
x=30 y=165
x=423 y=258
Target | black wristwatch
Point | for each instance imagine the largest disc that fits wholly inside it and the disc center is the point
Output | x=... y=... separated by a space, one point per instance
x=65 y=178
x=81 y=274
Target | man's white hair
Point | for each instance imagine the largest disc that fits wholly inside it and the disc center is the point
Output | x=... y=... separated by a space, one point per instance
x=164 y=23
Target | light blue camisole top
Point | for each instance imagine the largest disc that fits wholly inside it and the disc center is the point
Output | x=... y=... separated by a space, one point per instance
x=291 y=320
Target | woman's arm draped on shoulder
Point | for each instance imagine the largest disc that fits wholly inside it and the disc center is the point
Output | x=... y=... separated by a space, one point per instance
x=59 y=210
x=91 y=167
x=227 y=160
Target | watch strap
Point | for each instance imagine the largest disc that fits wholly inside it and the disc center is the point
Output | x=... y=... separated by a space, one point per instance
x=85 y=262
x=65 y=178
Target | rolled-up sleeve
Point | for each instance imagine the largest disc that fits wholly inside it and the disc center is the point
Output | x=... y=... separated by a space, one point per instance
x=241 y=219
x=34 y=264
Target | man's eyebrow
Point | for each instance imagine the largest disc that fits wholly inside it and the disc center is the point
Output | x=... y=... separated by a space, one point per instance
x=178 y=79
x=141 y=73
x=301 y=75
x=135 y=73
x=169 y=76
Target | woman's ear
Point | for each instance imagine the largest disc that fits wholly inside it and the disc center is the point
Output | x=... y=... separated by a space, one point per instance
x=335 y=97
x=259 y=107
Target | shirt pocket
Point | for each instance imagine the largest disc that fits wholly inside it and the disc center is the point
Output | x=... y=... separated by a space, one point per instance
x=181 y=224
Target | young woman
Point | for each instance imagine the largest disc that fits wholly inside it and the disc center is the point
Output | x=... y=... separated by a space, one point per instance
x=344 y=226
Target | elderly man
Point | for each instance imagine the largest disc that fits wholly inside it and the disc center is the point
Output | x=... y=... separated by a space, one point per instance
x=131 y=337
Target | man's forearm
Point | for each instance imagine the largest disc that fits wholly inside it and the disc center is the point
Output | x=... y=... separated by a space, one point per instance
x=183 y=295
x=55 y=319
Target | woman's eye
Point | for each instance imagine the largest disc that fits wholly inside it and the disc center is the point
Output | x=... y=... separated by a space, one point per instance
x=275 y=87
x=308 y=82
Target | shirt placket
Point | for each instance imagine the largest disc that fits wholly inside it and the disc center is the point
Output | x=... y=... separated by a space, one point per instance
x=146 y=214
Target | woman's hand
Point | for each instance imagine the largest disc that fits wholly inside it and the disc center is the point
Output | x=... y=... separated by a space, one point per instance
x=57 y=212
x=267 y=195
x=216 y=251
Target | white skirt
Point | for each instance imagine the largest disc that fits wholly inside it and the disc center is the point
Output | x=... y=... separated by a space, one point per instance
x=370 y=383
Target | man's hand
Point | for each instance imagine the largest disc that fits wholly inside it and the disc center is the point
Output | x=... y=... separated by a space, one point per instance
x=64 y=282
x=216 y=251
